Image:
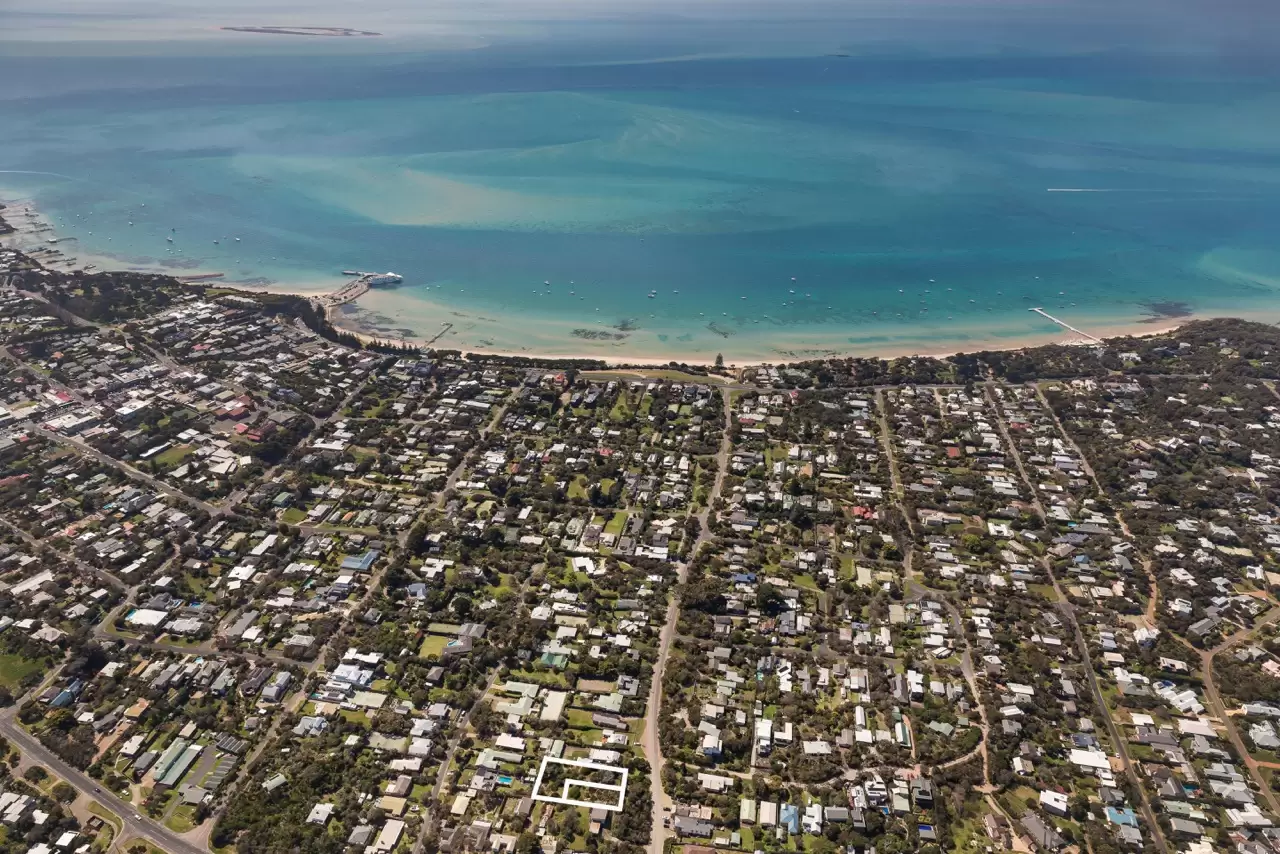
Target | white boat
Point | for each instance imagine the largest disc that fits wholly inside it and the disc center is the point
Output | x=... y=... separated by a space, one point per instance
x=384 y=278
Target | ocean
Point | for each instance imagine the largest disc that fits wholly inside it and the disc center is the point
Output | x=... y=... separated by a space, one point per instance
x=800 y=181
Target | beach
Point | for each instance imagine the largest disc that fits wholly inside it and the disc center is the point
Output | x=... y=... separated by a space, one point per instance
x=622 y=353
x=33 y=230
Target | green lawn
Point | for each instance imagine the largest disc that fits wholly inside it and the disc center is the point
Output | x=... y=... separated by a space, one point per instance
x=432 y=646
x=620 y=411
x=540 y=677
x=16 y=669
x=578 y=718
x=171 y=457
x=182 y=819
x=103 y=813
x=506 y=585
x=133 y=845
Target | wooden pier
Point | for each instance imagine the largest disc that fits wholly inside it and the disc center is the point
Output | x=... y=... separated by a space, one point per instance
x=1095 y=339
x=445 y=328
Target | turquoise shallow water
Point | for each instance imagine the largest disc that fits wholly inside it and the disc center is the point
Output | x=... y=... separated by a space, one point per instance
x=773 y=205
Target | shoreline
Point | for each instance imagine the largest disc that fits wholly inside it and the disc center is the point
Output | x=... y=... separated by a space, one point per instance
x=30 y=224
x=33 y=229
x=1135 y=329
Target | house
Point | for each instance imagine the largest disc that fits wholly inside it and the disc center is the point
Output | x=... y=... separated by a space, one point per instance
x=360 y=563
x=320 y=814
x=685 y=825
x=1043 y=837
x=1054 y=803
x=361 y=836
x=789 y=817
x=389 y=837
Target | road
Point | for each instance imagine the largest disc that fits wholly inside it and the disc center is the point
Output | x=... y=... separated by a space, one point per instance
x=431 y=821
x=650 y=740
x=44 y=375
x=296 y=699
x=971 y=678
x=462 y=463
x=169 y=842
x=886 y=440
x=1153 y=596
x=101 y=574
x=1086 y=660
x=89 y=450
x=1218 y=708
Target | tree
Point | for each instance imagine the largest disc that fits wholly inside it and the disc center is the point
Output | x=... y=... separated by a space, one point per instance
x=719 y=361
x=486 y=720
x=35 y=774
x=65 y=793
x=769 y=599
x=462 y=606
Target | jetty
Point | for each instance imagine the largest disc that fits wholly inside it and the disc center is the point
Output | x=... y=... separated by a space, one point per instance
x=1095 y=339
x=444 y=330
x=349 y=292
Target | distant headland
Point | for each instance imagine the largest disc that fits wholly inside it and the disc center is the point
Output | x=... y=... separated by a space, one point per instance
x=303 y=31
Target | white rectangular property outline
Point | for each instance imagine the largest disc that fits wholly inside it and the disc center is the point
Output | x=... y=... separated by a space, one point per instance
x=621 y=789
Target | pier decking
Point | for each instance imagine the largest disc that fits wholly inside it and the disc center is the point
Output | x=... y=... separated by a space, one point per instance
x=349 y=292
x=1067 y=326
